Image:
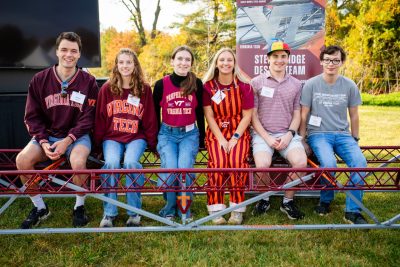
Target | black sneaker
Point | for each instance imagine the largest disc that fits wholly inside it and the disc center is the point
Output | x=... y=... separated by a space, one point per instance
x=261 y=207
x=35 y=217
x=354 y=218
x=323 y=209
x=79 y=217
x=292 y=211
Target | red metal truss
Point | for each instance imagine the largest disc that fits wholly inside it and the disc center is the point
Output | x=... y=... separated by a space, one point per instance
x=373 y=154
x=7 y=158
x=196 y=180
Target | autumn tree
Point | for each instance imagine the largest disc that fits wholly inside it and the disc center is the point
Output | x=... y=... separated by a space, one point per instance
x=155 y=57
x=111 y=41
x=336 y=12
x=369 y=31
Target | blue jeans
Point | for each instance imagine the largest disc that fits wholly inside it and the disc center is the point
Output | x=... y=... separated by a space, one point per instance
x=113 y=152
x=325 y=145
x=177 y=149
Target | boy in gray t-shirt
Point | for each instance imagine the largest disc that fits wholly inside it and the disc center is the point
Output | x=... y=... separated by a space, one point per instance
x=330 y=103
x=325 y=101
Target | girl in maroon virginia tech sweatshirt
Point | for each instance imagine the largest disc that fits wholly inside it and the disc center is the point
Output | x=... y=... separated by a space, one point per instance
x=123 y=120
x=125 y=124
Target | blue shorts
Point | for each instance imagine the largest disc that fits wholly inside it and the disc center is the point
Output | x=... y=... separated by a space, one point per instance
x=83 y=140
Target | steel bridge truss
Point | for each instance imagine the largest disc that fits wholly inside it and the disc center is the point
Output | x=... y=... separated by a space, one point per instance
x=188 y=181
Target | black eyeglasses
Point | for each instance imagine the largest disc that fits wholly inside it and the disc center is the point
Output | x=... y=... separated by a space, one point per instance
x=334 y=61
x=64 y=87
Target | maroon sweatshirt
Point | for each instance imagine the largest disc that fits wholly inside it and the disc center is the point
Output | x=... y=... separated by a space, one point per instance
x=118 y=120
x=49 y=114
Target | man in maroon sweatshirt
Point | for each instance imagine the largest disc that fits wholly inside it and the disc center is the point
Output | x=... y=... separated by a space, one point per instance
x=59 y=115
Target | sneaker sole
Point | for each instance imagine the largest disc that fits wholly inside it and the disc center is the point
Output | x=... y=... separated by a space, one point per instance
x=106 y=226
x=220 y=221
x=80 y=225
x=42 y=219
x=290 y=217
x=260 y=213
x=322 y=214
x=348 y=221
x=235 y=222
x=133 y=224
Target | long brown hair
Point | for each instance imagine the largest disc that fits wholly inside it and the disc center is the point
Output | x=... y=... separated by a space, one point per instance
x=188 y=85
x=137 y=81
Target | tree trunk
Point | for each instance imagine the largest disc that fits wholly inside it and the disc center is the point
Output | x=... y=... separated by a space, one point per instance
x=156 y=15
x=215 y=21
x=134 y=8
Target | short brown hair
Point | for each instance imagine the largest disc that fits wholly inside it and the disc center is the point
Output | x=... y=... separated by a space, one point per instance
x=70 y=36
x=333 y=49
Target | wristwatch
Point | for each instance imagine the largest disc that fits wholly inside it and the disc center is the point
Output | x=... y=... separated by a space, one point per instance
x=356 y=138
x=236 y=136
x=293 y=132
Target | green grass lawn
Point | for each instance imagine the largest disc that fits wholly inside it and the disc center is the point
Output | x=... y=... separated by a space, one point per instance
x=379 y=126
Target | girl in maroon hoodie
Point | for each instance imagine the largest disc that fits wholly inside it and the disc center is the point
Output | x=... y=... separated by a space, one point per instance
x=125 y=125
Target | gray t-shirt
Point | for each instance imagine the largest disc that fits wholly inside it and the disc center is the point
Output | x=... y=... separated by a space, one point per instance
x=330 y=103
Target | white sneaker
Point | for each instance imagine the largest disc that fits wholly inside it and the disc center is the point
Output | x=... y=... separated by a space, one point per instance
x=133 y=221
x=236 y=218
x=218 y=220
x=107 y=221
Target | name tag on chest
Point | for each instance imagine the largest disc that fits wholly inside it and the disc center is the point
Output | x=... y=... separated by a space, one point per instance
x=218 y=97
x=267 y=91
x=78 y=97
x=315 y=121
x=133 y=100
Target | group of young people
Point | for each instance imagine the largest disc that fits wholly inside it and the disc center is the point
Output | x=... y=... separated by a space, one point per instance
x=272 y=112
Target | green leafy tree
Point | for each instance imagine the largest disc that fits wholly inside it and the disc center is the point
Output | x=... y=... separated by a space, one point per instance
x=373 y=45
x=211 y=27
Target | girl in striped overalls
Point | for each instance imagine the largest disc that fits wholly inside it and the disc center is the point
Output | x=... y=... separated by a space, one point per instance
x=228 y=105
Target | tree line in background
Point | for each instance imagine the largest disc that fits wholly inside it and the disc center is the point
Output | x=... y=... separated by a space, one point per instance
x=369 y=30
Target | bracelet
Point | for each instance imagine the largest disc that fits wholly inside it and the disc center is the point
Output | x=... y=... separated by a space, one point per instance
x=293 y=132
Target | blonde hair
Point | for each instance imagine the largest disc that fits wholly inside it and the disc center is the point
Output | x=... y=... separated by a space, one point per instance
x=212 y=72
x=137 y=81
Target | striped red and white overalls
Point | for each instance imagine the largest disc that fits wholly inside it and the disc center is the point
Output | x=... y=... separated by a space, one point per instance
x=227 y=115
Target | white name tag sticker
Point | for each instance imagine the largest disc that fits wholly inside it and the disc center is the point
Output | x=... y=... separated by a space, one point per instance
x=189 y=127
x=218 y=97
x=133 y=100
x=315 y=121
x=267 y=91
x=78 y=97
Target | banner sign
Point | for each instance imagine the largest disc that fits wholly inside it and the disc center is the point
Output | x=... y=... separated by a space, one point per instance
x=299 y=23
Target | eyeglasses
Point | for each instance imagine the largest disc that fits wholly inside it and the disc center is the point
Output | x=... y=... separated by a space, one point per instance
x=334 y=61
x=64 y=87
